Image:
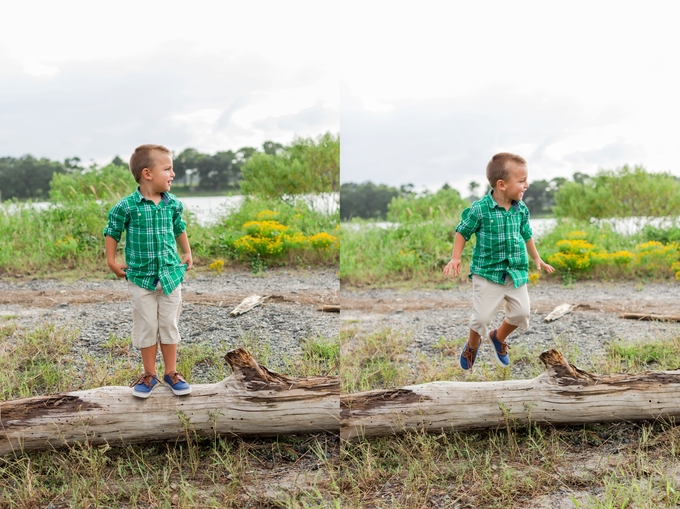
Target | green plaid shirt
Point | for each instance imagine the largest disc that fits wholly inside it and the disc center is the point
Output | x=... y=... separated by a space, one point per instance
x=150 y=246
x=502 y=235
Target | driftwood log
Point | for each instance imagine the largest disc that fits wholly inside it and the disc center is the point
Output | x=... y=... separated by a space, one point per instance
x=251 y=401
x=563 y=394
x=650 y=317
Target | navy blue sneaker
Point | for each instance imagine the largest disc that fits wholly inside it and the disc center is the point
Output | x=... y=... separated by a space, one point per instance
x=142 y=387
x=467 y=357
x=177 y=383
x=500 y=348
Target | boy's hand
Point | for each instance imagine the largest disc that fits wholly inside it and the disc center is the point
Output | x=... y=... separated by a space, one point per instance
x=186 y=258
x=453 y=267
x=118 y=268
x=541 y=264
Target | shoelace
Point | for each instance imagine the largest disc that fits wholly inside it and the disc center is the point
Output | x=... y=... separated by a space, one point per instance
x=175 y=376
x=145 y=378
x=504 y=347
x=469 y=355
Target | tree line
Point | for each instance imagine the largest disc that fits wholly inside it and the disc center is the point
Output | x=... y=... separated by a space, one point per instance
x=306 y=165
x=624 y=192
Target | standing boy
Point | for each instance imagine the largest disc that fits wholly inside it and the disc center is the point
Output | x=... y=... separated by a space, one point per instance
x=499 y=268
x=152 y=220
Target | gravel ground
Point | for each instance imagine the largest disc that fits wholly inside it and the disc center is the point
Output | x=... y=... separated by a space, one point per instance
x=436 y=315
x=101 y=308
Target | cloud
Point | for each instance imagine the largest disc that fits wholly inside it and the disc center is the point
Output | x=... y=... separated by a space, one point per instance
x=177 y=97
x=608 y=155
x=315 y=119
x=436 y=141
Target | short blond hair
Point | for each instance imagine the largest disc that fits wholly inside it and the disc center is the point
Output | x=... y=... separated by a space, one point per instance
x=497 y=168
x=143 y=158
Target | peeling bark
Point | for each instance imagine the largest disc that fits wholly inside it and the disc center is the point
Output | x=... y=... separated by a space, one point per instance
x=563 y=394
x=251 y=401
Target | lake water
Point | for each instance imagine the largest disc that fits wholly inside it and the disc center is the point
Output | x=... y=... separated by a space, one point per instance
x=623 y=226
x=208 y=209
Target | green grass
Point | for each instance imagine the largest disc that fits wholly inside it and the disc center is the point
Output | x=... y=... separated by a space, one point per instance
x=629 y=465
x=66 y=239
x=220 y=472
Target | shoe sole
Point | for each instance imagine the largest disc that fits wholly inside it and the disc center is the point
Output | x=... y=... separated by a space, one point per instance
x=182 y=392
x=495 y=355
x=142 y=395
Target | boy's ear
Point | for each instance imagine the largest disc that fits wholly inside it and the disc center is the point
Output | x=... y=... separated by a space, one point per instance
x=146 y=173
x=500 y=184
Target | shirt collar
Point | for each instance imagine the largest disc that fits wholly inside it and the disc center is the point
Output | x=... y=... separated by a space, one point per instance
x=139 y=197
x=492 y=203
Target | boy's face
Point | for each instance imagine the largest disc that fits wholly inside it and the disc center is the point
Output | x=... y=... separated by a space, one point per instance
x=161 y=174
x=517 y=182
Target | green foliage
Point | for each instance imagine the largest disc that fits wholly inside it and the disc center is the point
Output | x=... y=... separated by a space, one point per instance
x=109 y=184
x=540 y=197
x=624 y=192
x=64 y=236
x=265 y=231
x=580 y=249
x=27 y=177
x=305 y=167
x=417 y=247
x=367 y=200
x=443 y=206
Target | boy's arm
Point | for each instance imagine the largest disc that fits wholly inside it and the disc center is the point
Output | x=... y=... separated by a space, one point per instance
x=454 y=266
x=533 y=252
x=117 y=268
x=183 y=242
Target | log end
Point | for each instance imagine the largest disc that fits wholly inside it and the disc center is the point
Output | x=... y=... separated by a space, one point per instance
x=563 y=371
x=240 y=360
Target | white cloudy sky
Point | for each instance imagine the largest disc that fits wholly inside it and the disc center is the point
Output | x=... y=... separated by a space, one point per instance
x=94 y=80
x=429 y=93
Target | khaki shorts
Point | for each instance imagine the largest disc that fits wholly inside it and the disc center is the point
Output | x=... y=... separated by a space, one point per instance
x=487 y=298
x=155 y=316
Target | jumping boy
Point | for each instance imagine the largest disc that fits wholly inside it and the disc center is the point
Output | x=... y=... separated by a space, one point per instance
x=499 y=268
x=151 y=218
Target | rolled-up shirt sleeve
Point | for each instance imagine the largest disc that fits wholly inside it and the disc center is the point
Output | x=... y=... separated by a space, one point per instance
x=469 y=223
x=118 y=219
x=178 y=224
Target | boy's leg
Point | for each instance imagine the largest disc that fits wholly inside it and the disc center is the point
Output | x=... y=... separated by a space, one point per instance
x=169 y=309
x=486 y=299
x=504 y=331
x=169 y=352
x=149 y=358
x=517 y=309
x=144 y=336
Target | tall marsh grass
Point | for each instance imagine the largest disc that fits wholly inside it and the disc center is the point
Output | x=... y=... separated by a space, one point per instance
x=67 y=235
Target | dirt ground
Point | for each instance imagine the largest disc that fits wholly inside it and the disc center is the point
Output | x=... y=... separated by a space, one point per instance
x=430 y=316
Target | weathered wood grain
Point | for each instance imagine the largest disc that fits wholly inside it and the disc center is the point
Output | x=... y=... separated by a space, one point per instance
x=251 y=401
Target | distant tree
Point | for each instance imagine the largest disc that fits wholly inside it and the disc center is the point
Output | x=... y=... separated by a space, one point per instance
x=27 y=177
x=367 y=200
x=581 y=178
x=271 y=148
x=472 y=187
x=540 y=197
x=624 y=192
x=187 y=159
x=73 y=163
x=117 y=161
x=307 y=166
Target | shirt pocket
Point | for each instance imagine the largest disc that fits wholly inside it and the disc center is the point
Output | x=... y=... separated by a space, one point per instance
x=141 y=220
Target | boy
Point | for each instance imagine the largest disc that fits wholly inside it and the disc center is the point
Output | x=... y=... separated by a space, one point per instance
x=499 y=268
x=152 y=220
